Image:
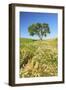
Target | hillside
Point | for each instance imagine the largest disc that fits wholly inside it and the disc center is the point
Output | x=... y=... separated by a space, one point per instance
x=38 y=58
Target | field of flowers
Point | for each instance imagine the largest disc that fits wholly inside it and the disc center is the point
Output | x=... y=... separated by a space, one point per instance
x=38 y=58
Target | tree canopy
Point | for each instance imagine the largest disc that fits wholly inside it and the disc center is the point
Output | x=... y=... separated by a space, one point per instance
x=39 y=29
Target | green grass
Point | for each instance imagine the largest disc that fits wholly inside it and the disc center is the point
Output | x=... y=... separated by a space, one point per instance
x=38 y=58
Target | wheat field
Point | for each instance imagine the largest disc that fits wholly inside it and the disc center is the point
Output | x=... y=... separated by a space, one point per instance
x=38 y=58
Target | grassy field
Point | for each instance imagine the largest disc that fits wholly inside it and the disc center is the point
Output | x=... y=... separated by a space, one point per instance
x=38 y=58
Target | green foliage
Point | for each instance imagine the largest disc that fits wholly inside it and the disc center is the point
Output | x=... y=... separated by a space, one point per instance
x=39 y=29
x=38 y=58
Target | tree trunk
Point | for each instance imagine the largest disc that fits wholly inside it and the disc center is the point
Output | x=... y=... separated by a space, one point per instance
x=40 y=38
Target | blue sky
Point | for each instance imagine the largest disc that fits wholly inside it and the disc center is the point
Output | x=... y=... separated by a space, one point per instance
x=28 y=18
